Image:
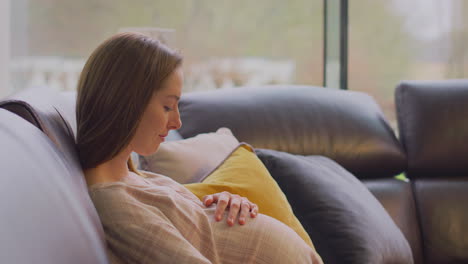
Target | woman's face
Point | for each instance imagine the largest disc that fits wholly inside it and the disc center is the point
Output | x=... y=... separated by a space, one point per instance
x=160 y=116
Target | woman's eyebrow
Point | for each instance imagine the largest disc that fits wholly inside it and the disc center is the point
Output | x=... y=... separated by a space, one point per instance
x=173 y=96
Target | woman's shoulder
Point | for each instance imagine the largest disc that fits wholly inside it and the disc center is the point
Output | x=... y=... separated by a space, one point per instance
x=156 y=176
x=132 y=180
x=121 y=202
x=108 y=193
x=161 y=180
x=126 y=191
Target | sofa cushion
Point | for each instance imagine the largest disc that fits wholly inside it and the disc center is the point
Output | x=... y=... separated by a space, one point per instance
x=346 y=126
x=46 y=217
x=345 y=221
x=433 y=124
x=189 y=160
x=443 y=211
x=244 y=174
x=396 y=196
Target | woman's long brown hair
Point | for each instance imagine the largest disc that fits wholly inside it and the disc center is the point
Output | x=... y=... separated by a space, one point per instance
x=114 y=89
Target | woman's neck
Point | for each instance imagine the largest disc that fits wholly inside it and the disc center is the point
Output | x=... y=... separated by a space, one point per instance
x=110 y=171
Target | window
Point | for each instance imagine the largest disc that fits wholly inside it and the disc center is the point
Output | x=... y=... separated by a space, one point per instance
x=396 y=40
x=224 y=43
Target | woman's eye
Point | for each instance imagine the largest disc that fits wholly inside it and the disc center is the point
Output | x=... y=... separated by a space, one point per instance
x=167 y=109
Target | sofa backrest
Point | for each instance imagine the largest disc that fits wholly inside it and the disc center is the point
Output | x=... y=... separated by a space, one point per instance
x=50 y=111
x=46 y=120
x=433 y=123
x=46 y=217
x=346 y=126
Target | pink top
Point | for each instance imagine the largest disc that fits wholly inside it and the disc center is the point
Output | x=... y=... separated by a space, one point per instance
x=157 y=220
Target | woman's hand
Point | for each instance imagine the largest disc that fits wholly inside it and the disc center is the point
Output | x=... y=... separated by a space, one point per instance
x=237 y=206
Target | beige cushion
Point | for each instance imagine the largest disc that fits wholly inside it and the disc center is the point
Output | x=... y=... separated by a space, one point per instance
x=189 y=160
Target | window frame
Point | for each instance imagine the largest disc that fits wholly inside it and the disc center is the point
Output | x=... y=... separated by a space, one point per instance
x=335 y=44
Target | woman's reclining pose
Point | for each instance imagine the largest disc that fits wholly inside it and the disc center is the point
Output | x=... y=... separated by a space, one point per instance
x=127 y=101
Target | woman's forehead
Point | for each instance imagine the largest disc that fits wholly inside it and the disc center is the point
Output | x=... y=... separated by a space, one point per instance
x=172 y=86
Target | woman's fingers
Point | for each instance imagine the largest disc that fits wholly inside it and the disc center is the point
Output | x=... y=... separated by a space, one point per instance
x=222 y=200
x=208 y=200
x=253 y=210
x=244 y=211
x=238 y=206
x=234 y=207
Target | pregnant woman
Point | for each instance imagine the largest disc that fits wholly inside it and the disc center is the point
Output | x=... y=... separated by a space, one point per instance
x=127 y=102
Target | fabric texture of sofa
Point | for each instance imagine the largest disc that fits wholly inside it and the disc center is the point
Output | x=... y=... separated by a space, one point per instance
x=47 y=216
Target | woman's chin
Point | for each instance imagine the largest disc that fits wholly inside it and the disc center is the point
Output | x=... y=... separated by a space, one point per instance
x=148 y=152
x=154 y=150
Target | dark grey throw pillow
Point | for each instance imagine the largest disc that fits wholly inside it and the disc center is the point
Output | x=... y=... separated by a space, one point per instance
x=344 y=220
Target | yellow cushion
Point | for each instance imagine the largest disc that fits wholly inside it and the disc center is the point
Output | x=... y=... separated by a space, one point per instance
x=243 y=173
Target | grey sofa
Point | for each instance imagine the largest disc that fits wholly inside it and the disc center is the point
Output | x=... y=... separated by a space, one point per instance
x=47 y=216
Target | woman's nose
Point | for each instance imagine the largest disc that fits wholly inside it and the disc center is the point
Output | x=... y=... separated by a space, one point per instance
x=175 y=123
x=178 y=123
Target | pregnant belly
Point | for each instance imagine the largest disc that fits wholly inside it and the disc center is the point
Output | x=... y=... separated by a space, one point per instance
x=261 y=240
